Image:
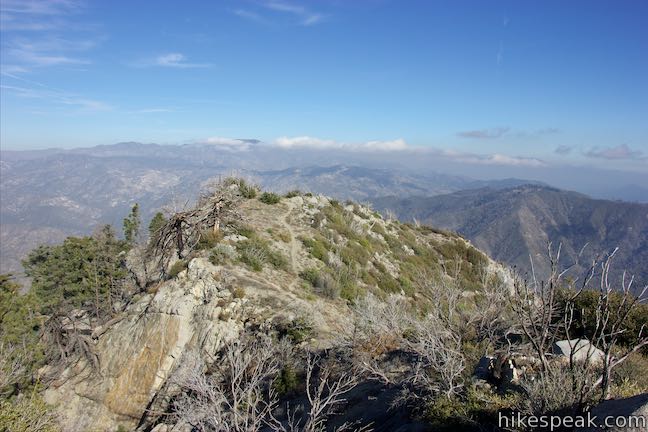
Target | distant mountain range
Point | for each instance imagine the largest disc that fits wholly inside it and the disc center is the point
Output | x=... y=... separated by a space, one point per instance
x=514 y=224
x=47 y=195
x=50 y=194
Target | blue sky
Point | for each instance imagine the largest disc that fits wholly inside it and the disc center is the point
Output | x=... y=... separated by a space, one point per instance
x=510 y=82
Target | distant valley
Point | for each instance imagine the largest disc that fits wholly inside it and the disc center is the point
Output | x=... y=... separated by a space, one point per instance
x=50 y=194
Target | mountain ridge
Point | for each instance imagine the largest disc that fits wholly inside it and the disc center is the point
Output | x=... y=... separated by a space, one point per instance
x=514 y=225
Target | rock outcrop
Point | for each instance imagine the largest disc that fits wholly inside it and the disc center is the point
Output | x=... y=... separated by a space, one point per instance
x=580 y=350
x=138 y=355
x=214 y=299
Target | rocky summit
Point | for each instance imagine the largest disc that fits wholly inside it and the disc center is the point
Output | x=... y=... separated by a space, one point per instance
x=258 y=311
x=300 y=271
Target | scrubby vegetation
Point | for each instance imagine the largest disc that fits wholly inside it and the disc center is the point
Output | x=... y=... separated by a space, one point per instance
x=27 y=414
x=292 y=193
x=221 y=254
x=209 y=239
x=247 y=190
x=256 y=252
x=176 y=268
x=420 y=316
x=269 y=198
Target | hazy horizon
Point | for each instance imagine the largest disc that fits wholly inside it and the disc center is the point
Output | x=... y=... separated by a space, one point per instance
x=503 y=84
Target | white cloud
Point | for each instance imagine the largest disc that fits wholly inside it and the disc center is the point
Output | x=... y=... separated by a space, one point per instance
x=398 y=144
x=492 y=159
x=230 y=144
x=177 y=60
x=305 y=16
x=306 y=142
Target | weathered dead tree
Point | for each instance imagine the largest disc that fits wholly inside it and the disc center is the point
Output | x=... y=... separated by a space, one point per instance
x=610 y=322
x=184 y=229
x=535 y=304
x=237 y=395
x=325 y=393
x=12 y=368
x=431 y=346
x=592 y=336
x=67 y=338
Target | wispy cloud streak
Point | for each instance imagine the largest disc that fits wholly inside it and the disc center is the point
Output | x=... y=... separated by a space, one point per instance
x=57 y=97
x=484 y=133
x=622 y=151
x=36 y=15
x=177 y=60
x=304 y=16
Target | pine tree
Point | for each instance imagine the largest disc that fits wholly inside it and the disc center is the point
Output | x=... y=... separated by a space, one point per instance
x=80 y=272
x=132 y=225
x=156 y=223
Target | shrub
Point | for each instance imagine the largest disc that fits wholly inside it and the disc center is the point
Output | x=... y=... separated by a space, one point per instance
x=585 y=311
x=246 y=231
x=317 y=220
x=293 y=193
x=378 y=229
x=630 y=377
x=19 y=337
x=238 y=292
x=323 y=283
x=176 y=268
x=209 y=239
x=252 y=253
x=477 y=410
x=387 y=283
x=286 y=381
x=406 y=285
x=310 y=275
x=221 y=254
x=277 y=259
x=256 y=252
x=354 y=253
x=284 y=236
x=318 y=248
x=297 y=330
x=247 y=190
x=327 y=286
x=339 y=220
x=350 y=291
x=26 y=414
x=269 y=198
x=546 y=393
